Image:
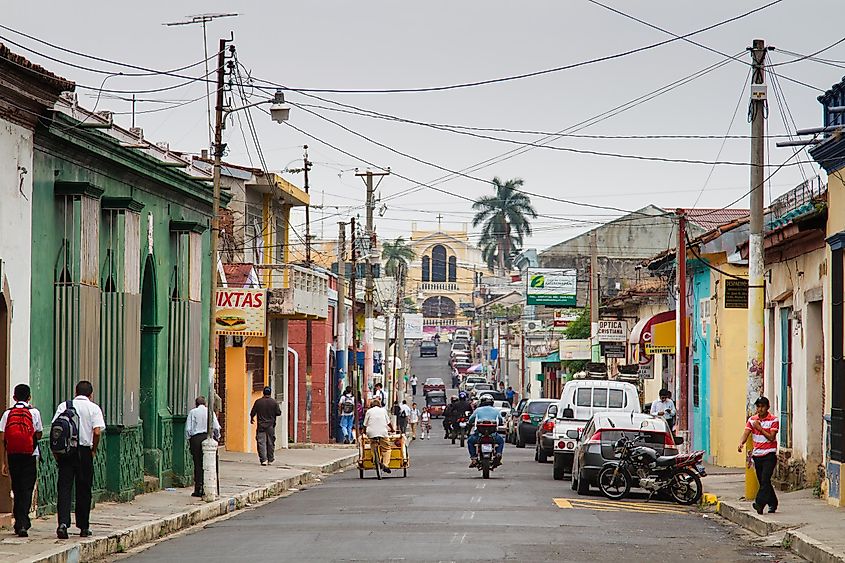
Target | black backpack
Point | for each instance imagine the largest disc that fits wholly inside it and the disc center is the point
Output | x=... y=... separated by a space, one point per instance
x=64 y=432
x=347 y=405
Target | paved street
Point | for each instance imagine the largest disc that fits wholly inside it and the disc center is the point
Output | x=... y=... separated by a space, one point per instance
x=444 y=511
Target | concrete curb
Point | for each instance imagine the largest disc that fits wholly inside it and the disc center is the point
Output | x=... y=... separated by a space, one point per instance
x=760 y=525
x=812 y=550
x=123 y=540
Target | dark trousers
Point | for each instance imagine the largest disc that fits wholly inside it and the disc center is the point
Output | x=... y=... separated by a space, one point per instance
x=413 y=389
x=764 y=466
x=22 y=470
x=266 y=441
x=195 y=443
x=76 y=471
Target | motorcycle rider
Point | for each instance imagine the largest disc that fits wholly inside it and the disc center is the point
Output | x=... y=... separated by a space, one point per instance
x=459 y=408
x=486 y=412
x=447 y=416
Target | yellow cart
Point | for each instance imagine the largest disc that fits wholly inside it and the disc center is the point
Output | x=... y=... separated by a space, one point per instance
x=398 y=455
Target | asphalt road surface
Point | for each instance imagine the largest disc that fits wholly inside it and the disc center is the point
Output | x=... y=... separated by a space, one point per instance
x=444 y=511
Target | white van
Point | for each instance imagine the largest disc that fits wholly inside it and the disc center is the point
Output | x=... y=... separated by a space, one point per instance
x=580 y=400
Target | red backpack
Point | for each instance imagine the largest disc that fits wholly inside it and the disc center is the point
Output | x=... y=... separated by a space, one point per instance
x=20 y=431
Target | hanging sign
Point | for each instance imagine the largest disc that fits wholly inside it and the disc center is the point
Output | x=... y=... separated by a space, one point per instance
x=551 y=287
x=613 y=331
x=241 y=312
x=736 y=294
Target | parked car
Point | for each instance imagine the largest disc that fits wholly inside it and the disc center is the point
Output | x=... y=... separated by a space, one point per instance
x=529 y=419
x=462 y=365
x=596 y=441
x=433 y=384
x=462 y=334
x=459 y=348
x=544 y=442
x=505 y=409
x=513 y=421
x=428 y=348
x=480 y=388
x=580 y=400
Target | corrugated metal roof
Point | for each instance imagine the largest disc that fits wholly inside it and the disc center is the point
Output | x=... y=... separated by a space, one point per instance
x=714 y=217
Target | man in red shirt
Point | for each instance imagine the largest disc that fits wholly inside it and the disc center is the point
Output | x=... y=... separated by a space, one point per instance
x=763 y=428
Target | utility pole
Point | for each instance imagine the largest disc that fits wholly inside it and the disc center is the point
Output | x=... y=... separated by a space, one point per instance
x=756 y=289
x=353 y=291
x=309 y=335
x=387 y=371
x=681 y=374
x=397 y=327
x=209 y=445
x=369 y=288
x=594 y=298
x=340 y=310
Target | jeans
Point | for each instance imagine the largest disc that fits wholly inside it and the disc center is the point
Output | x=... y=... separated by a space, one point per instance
x=346 y=422
x=22 y=470
x=76 y=471
x=266 y=445
x=195 y=443
x=764 y=466
x=472 y=442
x=413 y=389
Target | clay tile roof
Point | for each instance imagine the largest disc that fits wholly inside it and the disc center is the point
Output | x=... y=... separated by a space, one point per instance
x=237 y=274
x=709 y=219
x=55 y=81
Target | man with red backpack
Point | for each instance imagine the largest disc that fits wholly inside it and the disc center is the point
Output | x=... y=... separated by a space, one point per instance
x=20 y=430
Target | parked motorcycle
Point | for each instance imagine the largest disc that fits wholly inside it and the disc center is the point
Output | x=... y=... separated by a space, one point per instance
x=485 y=448
x=459 y=428
x=679 y=476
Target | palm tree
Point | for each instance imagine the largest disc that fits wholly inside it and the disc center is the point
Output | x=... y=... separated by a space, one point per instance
x=394 y=253
x=505 y=222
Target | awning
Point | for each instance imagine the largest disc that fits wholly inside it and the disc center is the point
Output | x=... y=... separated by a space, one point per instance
x=642 y=332
x=553 y=358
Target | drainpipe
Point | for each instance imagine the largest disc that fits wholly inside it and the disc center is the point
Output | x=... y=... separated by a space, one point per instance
x=295 y=394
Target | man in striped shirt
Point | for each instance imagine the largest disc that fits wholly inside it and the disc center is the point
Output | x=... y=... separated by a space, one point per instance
x=763 y=428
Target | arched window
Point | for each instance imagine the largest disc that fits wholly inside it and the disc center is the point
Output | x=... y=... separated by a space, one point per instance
x=453 y=269
x=438 y=264
x=426 y=269
x=439 y=307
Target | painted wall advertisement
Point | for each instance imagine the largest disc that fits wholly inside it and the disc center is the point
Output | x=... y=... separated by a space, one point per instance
x=241 y=312
x=551 y=287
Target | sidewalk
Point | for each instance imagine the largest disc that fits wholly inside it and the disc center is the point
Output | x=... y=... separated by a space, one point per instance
x=149 y=517
x=808 y=525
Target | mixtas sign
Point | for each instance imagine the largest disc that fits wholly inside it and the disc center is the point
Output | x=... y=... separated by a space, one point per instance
x=241 y=312
x=551 y=287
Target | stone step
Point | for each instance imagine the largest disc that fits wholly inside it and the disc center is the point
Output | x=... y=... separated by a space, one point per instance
x=151 y=484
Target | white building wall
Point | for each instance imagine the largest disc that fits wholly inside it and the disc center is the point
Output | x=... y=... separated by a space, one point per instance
x=16 y=146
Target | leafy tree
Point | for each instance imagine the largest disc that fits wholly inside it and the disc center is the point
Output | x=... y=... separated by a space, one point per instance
x=577 y=329
x=504 y=220
x=394 y=253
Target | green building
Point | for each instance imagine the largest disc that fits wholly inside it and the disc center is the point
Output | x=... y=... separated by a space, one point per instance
x=120 y=246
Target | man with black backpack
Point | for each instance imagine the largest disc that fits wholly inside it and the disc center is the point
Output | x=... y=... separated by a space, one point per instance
x=74 y=437
x=20 y=430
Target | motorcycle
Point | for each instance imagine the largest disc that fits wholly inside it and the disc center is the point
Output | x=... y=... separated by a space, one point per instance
x=638 y=465
x=485 y=448
x=459 y=428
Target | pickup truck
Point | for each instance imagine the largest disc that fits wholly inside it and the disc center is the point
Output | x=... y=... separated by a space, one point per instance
x=580 y=400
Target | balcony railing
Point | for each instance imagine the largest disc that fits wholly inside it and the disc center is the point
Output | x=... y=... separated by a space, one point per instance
x=297 y=292
x=796 y=201
x=439 y=286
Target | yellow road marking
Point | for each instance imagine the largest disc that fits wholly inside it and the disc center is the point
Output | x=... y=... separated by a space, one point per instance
x=618 y=506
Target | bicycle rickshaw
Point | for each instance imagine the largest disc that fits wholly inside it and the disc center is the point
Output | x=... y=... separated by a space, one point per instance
x=398 y=455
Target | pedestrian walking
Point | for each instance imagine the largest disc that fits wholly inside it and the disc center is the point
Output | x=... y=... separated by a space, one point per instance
x=346 y=410
x=414 y=420
x=501 y=387
x=404 y=415
x=266 y=409
x=414 y=382
x=74 y=437
x=510 y=395
x=425 y=424
x=20 y=430
x=196 y=431
x=763 y=428
x=378 y=393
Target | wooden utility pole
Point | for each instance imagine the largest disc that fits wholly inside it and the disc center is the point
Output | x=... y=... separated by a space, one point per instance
x=398 y=328
x=756 y=289
x=355 y=377
x=681 y=372
x=209 y=446
x=594 y=297
x=369 y=288
x=309 y=334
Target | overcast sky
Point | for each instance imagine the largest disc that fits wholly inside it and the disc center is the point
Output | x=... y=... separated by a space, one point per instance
x=366 y=45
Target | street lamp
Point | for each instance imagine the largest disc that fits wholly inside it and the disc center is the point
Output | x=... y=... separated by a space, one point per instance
x=279 y=112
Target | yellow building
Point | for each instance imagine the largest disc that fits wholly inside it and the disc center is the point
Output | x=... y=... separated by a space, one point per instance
x=443 y=276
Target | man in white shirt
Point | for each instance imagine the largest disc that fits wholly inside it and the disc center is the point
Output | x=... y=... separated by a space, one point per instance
x=414 y=382
x=196 y=431
x=76 y=469
x=377 y=425
x=19 y=457
x=665 y=408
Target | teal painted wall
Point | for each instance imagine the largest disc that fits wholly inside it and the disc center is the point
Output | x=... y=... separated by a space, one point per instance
x=700 y=367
